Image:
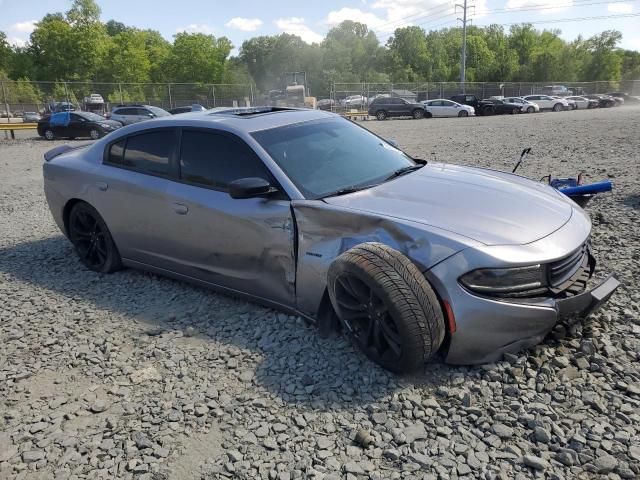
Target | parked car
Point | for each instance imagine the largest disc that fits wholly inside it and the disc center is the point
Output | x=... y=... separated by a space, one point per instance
x=481 y=107
x=76 y=124
x=628 y=99
x=31 y=117
x=501 y=107
x=196 y=107
x=57 y=107
x=325 y=104
x=5 y=114
x=387 y=107
x=354 y=101
x=336 y=225
x=572 y=104
x=583 y=102
x=128 y=114
x=441 y=107
x=525 y=105
x=604 y=101
x=557 y=90
x=545 y=102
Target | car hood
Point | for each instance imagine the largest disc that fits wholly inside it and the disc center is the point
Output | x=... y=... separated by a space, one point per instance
x=491 y=207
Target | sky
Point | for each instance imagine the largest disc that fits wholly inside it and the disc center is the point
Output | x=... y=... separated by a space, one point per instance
x=242 y=19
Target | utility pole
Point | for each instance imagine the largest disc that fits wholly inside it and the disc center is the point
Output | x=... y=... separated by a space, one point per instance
x=463 y=59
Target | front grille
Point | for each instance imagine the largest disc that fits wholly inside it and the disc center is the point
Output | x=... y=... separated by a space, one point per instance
x=564 y=269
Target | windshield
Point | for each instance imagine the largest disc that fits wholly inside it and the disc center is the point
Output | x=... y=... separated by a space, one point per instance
x=91 y=116
x=325 y=156
x=158 y=111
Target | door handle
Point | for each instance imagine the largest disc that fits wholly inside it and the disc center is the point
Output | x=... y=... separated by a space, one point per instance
x=180 y=209
x=102 y=186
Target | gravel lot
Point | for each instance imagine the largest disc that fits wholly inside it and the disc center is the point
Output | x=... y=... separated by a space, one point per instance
x=136 y=376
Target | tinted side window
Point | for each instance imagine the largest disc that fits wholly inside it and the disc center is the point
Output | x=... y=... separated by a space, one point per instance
x=215 y=160
x=125 y=111
x=150 y=152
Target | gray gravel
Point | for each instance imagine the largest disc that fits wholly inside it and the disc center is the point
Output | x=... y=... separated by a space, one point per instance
x=135 y=376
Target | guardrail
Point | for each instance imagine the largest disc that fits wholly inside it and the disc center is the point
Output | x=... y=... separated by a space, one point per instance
x=12 y=127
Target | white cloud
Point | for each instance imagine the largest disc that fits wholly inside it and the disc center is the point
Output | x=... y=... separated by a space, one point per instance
x=387 y=15
x=544 y=6
x=620 y=8
x=27 y=26
x=196 y=28
x=296 y=26
x=244 y=24
x=16 y=42
x=336 y=17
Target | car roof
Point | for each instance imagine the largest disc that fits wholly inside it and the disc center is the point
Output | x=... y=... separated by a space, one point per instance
x=244 y=119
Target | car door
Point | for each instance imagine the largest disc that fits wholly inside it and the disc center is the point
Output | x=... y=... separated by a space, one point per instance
x=450 y=109
x=398 y=107
x=435 y=107
x=246 y=245
x=142 y=114
x=130 y=194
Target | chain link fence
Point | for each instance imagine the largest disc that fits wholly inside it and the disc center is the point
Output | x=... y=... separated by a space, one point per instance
x=21 y=96
x=357 y=96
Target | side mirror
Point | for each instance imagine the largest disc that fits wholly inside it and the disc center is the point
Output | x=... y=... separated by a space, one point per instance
x=150 y=115
x=250 y=187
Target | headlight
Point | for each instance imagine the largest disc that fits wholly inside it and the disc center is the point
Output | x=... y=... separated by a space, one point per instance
x=505 y=280
x=105 y=125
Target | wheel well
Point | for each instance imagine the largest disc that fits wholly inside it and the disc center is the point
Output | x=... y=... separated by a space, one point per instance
x=67 y=210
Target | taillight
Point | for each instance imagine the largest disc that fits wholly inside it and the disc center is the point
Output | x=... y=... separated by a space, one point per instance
x=107 y=115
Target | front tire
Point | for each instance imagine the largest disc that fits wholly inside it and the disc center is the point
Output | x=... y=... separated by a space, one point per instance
x=531 y=110
x=557 y=107
x=515 y=111
x=463 y=113
x=48 y=134
x=92 y=240
x=418 y=114
x=488 y=111
x=94 y=133
x=381 y=115
x=386 y=306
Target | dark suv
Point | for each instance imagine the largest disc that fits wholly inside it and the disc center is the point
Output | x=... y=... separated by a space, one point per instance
x=385 y=107
x=482 y=107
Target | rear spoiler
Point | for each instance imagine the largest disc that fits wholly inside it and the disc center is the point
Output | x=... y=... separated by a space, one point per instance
x=54 y=152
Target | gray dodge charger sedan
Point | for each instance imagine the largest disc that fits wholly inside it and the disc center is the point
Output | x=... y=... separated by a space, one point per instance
x=310 y=213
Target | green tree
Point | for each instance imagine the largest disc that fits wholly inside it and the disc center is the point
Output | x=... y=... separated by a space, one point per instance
x=113 y=28
x=408 y=51
x=604 y=62
x=126 y=59
x=6 y=53
x=196 y=57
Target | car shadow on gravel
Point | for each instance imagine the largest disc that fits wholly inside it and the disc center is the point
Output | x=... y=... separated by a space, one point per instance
x=276 y=351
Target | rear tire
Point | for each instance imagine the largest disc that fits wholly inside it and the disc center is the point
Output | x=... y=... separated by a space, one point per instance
x=381 y=115
x=515 y=111
x=418 y=114
x=92 y=240
x=48 y=134
x=531 y=110
x=386 y=306
x=94 y=134
x=557 y=107
x=463 y=113
x=488 y=111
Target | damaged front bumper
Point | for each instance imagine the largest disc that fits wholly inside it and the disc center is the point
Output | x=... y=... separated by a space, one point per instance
x=489 y=328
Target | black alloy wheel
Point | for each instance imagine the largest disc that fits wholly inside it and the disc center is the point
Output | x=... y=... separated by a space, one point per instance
x=418 y=114
x=368 y=320
x=381 y=115
x=92 y=240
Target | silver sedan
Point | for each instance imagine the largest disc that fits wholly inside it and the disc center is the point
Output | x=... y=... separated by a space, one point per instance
x=309 y=213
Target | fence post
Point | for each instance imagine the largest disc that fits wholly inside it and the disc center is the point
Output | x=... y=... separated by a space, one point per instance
x=169 y=89
x=251 y=90
x=213 y=93
x=6 y=103
x=120 y=89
